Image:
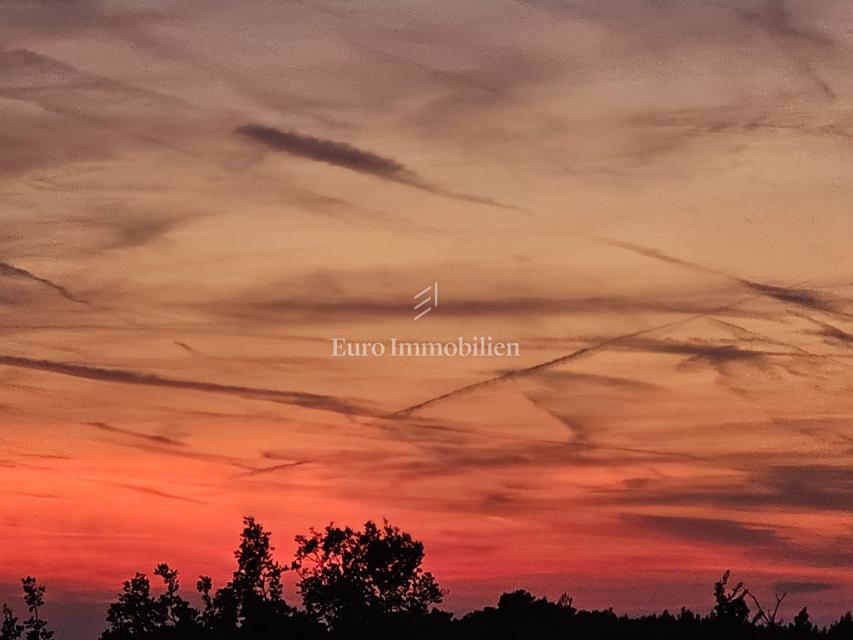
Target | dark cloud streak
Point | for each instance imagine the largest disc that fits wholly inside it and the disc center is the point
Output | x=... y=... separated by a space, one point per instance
x=802 y=587
x=339 y=154
x=123 y=376
x=133 y=434
x=711 y=530
x=346 y=156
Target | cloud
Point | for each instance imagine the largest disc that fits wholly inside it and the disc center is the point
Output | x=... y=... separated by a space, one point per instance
x=800 y=297
x=758 y=541
x=722 y=359
x=713 y=530
x=274 y=468
x=45 y=456
x=605 y=382
x=793 y=295
x=668 y=26
x=149 y=491
x=792 y=487
x=776 y=20
x=713 y=352
x=11 y=271
x=802 y=587
x=562 y=405
x=465 y=457
x=346 y=156
x=129 y=229
x=550 y=364
x=133 y=434
x=60 y=114
x=339 y=154
x=187 y=454
x=812 y=486
x=123 y=376
x=331 y=311
x=185 y=347
x=832 y=334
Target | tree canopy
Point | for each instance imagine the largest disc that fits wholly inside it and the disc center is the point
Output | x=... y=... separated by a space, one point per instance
x=371 y=581
x=349 y=577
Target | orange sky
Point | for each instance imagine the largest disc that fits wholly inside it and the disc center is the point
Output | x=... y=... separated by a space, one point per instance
x=196 y=200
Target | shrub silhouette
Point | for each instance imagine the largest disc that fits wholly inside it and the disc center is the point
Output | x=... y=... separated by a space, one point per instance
x=520 y=615
x=370 y=583
x=802 y=626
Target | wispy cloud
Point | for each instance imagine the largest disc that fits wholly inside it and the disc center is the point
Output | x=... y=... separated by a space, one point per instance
x=794 y=487
x=832 y=334
x=123 y=376
x=806 y=298
x=150 y=491
x=339 y=154
x=543 y=366
x=346 y=156
x=715 y=354
x=711 y=530
x=802 y=587
x=185 y=346
x=775 y=19
x=323 y=310
x=274 y=468
x=758 y=540
x=11 y=271
x=156 y=439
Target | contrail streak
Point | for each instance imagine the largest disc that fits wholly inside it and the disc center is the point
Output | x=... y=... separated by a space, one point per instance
x=520 y=373
x=791 y=295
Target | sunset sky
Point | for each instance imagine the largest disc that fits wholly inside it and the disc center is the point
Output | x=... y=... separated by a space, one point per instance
x=652 y=196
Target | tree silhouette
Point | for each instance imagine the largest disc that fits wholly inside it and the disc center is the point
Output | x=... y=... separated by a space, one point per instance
x=520 y=614
x=172 y=609
x=207 y=617
x=134 y=614
x=34 y=627
x=802 y=626
x=730 y=604
x=350 y=578
x=768 y=616
x=843 y=629
x=138 y=614
x=370 y=583
x=252 y=603
x=10 y=629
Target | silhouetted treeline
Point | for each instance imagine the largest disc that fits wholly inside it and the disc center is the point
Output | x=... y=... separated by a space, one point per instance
x=370 y=582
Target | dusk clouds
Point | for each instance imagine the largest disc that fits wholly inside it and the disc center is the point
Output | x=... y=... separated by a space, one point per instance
x=652 y=199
